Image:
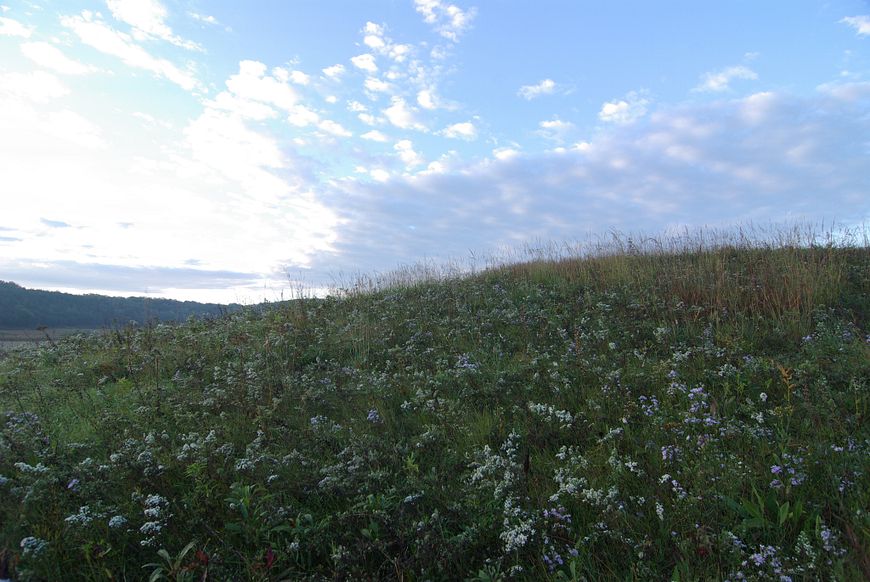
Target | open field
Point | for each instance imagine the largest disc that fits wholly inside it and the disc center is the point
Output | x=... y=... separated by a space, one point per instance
x=691 y=415
x=11 y=339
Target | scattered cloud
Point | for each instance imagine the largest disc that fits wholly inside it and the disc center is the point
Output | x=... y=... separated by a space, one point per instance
x=333 y=128
x=334 y=72
x=302 y=116
x=447 y=19
x=148 y=20
x=405 y=149
x=402 y=116
x=465 y=130
x=10 y=27
x=252 y=93
x=375 y=38
x=805 y=158
x=555 y=129
x=721 y=80
x=624 y=111
x=365 y=62
x=375 y=135
x=505 y=153
x=94 y=32
x=376 y=85
x=545 y=87
x=299 y=78
x=426 y=99
x=51 y=57
x=204 y=18
x=861 y=23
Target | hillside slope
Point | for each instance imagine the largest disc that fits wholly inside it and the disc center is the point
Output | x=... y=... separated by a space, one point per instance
x=648 y=417
x=22 y=308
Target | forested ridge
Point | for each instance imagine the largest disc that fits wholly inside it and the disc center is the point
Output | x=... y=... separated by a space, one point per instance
x=22 y=308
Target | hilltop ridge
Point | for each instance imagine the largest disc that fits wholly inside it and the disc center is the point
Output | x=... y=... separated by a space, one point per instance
x=693 y=415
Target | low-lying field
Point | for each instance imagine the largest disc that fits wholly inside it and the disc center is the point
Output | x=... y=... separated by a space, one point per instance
x=14 y=339
x=699 y=415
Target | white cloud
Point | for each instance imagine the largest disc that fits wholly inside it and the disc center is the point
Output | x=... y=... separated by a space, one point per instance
x=252 y=83
x=861 y=23
x=368 y=118
x=148 y=19
x=624 y=111
x=333 y=128
x=465 y=130
x=405 y=149
x=356 y=107
x=96 y=33
x=555 y=129
x=331 y=99
x=303 y=116
x=299 y=78
x=10 y=27
x=426 y=99
x=51 y=57
x=377 y=85
x=366 y=62
x=334 y=72
x=402 y=116
x=504 y=154
x=545 y=87
x=36 y=86
x=204 y=18
x=720 y=81
x=374 y=42
x=449 y=20
x=379 y=174
x=399 y=52
x=375 y=38
x=374 y=135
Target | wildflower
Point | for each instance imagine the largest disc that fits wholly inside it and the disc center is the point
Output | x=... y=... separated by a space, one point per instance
x=374 y=417
x=73 y=485
x=776 y=469
x=32 y=546
x=763 y=396
x=117 y=521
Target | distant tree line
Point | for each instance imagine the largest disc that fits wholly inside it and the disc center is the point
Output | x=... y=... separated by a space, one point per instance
x=22 y=308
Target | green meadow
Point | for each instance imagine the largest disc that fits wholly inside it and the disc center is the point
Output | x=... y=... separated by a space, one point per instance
x=677 y=410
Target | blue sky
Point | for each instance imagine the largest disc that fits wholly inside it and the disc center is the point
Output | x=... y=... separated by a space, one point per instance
x=228 y=151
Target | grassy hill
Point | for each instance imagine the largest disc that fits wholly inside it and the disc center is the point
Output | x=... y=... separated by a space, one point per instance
x=699 y=415
x=22 y=308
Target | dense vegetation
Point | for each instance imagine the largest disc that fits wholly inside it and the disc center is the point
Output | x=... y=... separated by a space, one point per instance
x=22 y=308
x=691 y=416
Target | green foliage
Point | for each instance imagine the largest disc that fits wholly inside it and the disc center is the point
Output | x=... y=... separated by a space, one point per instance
x=689 y=416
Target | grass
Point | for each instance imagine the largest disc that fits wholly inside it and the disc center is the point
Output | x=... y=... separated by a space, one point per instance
x=691 y=409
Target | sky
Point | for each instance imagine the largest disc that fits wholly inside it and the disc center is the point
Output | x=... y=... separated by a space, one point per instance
x=239 y=151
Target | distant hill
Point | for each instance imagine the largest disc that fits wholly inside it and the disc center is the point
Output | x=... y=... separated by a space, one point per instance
x=22 y=308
